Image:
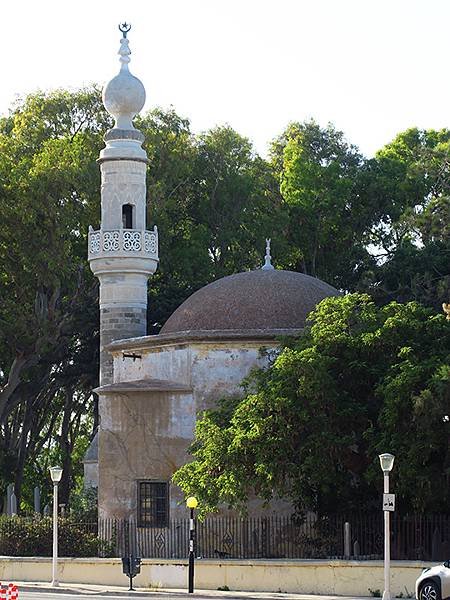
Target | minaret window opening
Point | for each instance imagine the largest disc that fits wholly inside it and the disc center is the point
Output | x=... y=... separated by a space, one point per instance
x=127 y=216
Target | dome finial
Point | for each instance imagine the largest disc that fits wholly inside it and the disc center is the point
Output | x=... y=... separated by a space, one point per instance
x=124 y=28
x=267 y=264
x=124 y=50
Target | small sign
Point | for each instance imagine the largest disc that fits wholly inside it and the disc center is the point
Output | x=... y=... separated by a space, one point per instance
x=389 y=502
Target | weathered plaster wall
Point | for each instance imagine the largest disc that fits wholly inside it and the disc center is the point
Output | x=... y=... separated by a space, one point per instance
x=211 y=368
x=171 y=363
x=338 y=577
x=143 y=437
x=146 y=435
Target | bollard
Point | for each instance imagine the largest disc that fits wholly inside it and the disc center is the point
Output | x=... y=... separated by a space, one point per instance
x=13 y=592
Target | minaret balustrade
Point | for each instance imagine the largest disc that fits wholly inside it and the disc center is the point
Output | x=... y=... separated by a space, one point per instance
x=123 y=243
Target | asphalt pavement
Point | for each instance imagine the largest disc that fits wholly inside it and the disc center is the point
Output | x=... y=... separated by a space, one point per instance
x=31 y=591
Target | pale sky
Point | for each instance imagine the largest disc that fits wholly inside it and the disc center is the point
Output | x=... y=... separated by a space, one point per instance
x=371 y=67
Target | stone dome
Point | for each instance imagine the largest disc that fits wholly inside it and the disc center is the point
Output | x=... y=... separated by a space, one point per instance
x=254 y=300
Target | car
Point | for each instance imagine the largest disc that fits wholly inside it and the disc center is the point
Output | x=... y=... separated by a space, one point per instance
x=434 y=583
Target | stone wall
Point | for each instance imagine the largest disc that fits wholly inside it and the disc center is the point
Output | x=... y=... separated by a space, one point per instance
x=337 y=577
x=146 y=435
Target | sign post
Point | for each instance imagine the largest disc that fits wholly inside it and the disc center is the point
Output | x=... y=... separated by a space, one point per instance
x=387 y=462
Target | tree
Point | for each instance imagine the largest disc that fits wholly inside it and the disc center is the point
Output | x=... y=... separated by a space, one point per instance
x=409 y=180
x=49 y=187
x=319 y=177
x=214 y=201
x=363 y=380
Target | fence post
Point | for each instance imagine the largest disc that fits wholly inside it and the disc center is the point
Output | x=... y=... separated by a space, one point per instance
x=347 y=539
x=37 y=500
x=9 y=493
x=13 y=501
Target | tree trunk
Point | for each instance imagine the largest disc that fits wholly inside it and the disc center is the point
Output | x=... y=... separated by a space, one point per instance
x=66 y=448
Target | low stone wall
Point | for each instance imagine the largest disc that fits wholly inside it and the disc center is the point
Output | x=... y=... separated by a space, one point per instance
x=329 y=577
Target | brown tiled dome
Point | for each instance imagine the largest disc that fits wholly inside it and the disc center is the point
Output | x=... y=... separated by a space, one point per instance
x=254 y=300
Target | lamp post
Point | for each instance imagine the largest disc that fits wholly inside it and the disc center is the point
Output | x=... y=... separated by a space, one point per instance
x=387 y=462
x=55 y=474
x=191 y=503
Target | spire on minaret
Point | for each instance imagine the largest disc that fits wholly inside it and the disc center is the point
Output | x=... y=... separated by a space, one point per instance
x=267 y=264
x=124 y=95
x=123 y=254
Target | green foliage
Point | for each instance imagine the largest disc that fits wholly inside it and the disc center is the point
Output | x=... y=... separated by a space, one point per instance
x=84 y=502
x=363 y=380
x=377 y=225
x=49 y=189
x=319 y=175
x=34 y=537
x=214 y=202
x=409 y=179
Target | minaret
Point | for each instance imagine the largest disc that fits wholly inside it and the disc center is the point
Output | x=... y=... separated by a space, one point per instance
x=122 y=254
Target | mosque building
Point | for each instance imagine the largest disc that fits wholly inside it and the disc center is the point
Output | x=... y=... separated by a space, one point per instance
x=153 y=387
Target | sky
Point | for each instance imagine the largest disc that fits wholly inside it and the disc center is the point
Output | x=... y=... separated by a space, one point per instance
x=373 y=68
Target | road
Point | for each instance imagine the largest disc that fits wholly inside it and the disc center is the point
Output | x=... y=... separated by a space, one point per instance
x=63 y=595
x=44 y=593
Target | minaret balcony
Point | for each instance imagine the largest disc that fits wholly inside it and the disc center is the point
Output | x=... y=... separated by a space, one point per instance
x=123 y=243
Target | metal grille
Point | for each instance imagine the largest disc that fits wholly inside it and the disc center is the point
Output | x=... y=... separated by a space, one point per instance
x=413 y=537
x=153 y=503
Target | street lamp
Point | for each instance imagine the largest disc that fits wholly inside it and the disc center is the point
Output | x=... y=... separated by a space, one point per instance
x=191 y=503
x=55 y=474
x=387 y=462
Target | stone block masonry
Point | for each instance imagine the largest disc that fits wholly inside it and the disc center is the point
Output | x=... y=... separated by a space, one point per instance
x=116 y=324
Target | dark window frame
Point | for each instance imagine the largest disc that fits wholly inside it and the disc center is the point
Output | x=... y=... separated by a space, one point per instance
x=142 y=521
x=128 y=216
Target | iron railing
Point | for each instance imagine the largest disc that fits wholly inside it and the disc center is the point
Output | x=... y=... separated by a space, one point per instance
x=413 y=537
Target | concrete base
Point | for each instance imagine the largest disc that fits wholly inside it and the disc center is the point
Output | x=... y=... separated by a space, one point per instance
x=324 y=577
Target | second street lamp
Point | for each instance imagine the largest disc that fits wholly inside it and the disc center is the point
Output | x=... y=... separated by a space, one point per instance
x=56 y=474
x=191 y=503
x=387 y=462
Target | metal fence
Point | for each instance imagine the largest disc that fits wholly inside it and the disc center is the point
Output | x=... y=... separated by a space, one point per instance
x=412 y=537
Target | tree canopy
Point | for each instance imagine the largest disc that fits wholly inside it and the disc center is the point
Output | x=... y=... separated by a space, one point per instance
x=371 y=225
x=309 y=428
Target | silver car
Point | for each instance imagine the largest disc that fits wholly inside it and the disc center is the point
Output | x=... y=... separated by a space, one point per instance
x=434 y=583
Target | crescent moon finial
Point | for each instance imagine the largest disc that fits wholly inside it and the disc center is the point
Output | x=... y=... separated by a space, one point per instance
x=124 y=28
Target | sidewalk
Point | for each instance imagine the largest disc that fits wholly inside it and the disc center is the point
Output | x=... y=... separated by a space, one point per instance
x=115 y=591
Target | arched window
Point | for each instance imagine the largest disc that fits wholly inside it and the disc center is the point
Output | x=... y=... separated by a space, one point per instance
x=127 y=216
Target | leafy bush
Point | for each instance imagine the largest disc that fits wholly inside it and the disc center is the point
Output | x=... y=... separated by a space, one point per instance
x=83 y=504
x=34 y=537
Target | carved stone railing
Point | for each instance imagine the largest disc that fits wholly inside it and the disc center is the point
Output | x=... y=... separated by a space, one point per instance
x=123 y=242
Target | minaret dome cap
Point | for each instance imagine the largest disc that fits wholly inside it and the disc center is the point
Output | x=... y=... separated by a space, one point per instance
x=124 y=95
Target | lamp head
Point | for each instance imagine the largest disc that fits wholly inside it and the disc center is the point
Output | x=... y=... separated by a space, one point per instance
x=55 y=474
x=191 y=502
x=386 y=462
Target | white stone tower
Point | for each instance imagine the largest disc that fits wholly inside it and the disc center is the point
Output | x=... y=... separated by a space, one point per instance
x=122 y=253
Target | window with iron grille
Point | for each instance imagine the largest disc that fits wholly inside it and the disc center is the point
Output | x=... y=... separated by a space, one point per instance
x=153 y=504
